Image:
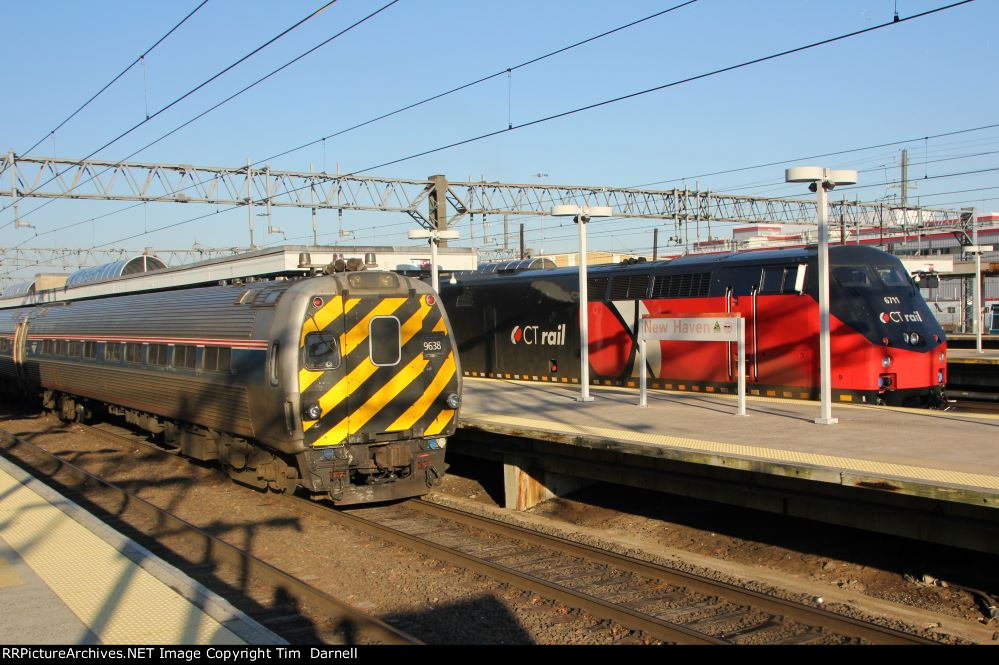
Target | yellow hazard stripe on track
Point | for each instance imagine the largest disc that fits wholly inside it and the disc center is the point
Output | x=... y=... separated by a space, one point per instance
x=359 y=332
x=440 y=422
x=419 y=408
x=356 y=420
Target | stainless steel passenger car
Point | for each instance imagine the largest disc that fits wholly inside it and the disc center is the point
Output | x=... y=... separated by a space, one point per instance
x=344 y=384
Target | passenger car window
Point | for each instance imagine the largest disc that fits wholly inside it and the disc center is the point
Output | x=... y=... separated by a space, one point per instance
x=322 y=351
x=217 y=358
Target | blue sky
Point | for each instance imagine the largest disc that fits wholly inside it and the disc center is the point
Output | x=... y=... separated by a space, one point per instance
x=920 y=78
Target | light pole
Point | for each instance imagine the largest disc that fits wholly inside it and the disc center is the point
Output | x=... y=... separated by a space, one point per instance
x=822 y=180
x=435 y=236
x=581 y=215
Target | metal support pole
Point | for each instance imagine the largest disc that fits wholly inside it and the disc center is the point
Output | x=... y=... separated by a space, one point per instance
x=433 y=265
x=825 y=364
x=978 y=302
x=315 y=228
x=643 y=399
x=249 y=200
x=978 y=282
x=522 y=241
x=742 y=367
x=655 y=244
x=13 y=187
x=584 y=315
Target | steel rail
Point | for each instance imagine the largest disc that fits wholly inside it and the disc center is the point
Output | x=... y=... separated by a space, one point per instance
x=653 y=626
x=350 y=620
x=602 y=609
x=598 y=607
x=731 y=593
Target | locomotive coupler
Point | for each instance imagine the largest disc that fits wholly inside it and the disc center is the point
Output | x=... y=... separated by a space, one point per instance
x=433 y=476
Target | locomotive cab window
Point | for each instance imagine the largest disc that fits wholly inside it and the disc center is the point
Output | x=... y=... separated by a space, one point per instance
x=322 y=351
x=893 y=276
x=384 y=341
x=855 y=276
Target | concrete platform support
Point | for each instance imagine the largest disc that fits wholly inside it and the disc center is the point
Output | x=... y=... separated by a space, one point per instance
x=527 y=484
x=535 y=471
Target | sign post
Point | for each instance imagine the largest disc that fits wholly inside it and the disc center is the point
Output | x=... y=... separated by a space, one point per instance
x=725 y=327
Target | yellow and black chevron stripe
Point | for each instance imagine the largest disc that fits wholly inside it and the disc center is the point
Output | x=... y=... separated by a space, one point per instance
x=360 y=400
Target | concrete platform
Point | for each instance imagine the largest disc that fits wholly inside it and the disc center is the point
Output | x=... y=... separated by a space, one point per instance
x=936 y=457
x=68 y=578
x=971 y=356
x=973 y=375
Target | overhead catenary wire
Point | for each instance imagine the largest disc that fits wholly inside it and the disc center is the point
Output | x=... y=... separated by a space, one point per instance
x=204 y=113
x=646 y=91
x=477 y=81
x=110 y=83
x=362 y=124
x=187 y=94
x=665 y=86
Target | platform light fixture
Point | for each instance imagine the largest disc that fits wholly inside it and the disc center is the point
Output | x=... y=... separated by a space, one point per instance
x=434 y=236
x=821 y=180
x=581 y=215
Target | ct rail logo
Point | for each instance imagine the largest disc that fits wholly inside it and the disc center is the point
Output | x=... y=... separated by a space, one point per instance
x=531 y=335
x=899 y=317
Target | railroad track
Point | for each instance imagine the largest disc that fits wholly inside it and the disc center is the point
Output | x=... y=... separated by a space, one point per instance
x=660 y=603
x=971 y=406
x=663 y=603
x=285 y=604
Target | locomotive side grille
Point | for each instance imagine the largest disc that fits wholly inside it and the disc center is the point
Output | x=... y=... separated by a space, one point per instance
x=689 y=285
x=596 y=288
x=466 y=298
x=630 y=287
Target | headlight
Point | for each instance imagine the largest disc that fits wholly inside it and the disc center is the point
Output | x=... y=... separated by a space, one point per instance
x=453 y=401
x=914 y=339
x=886 y=362
x=905 y=337
x=314 y=411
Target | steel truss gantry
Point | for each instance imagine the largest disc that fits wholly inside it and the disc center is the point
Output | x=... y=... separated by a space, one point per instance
x=52 y=177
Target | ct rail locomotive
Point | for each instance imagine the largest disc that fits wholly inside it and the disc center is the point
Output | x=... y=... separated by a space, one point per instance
x=886 y=345
x=346 y=384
